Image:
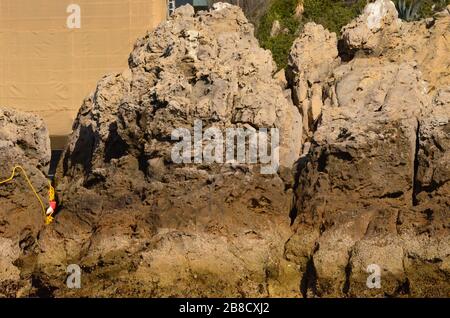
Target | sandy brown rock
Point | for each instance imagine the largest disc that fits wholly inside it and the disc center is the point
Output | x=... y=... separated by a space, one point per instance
x=369 y=188
x=299 y=10
x=373 y=186
x=24 y=141
x=276 y=28
x=312 y=58
x=359 y=198
x=379 y=32
x=373 y=29
x=432 y=172
x=140 y=224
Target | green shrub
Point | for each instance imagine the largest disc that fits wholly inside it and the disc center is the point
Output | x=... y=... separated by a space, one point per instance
x=283 y=11
x=332 y=14
x=408 y=11
x=430 y=7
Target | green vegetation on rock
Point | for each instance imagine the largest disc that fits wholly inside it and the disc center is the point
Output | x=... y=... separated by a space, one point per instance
x=284 y=12
x=425 y=8
x=332 y=14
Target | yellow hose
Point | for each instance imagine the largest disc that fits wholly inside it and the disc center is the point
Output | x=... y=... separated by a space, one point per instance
x=49 y=218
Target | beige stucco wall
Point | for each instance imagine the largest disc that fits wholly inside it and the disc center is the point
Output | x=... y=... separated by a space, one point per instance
x=48 y=68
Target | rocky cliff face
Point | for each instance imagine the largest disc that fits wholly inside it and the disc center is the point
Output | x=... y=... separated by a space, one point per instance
x=365 y=194
x=24 y=141
x=378 y=32
x=151 y=226
x=359 y=197
x=363 y=180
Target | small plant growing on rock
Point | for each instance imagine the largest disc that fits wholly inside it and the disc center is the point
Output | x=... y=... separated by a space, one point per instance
x=408 y=11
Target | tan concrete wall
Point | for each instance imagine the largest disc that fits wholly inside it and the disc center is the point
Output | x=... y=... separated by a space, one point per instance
x=47 y=68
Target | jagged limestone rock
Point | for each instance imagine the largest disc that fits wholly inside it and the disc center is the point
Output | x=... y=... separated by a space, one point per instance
x=359 y=193
x=165 y=228
x=312 y=58
x=25 y=142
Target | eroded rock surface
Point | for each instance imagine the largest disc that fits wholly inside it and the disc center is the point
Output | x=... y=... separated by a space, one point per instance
x=360 y=187
x=369 y=189
x=24 y=141
x=313 y=56
x=374 y=29
x=373 y=187
x=140 y=224
x=379 y=32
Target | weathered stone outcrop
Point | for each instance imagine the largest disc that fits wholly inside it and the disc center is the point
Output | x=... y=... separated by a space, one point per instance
x=24 y=141
x=433 y=159
x=313 y=57
x=379 y=32
x=150 y=226
x=372 y=189
x=366 y=187
x=374 y=30
x=358 y=188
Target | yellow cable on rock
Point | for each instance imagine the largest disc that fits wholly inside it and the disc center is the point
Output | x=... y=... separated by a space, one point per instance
x=48 y=218
x=52 y=202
